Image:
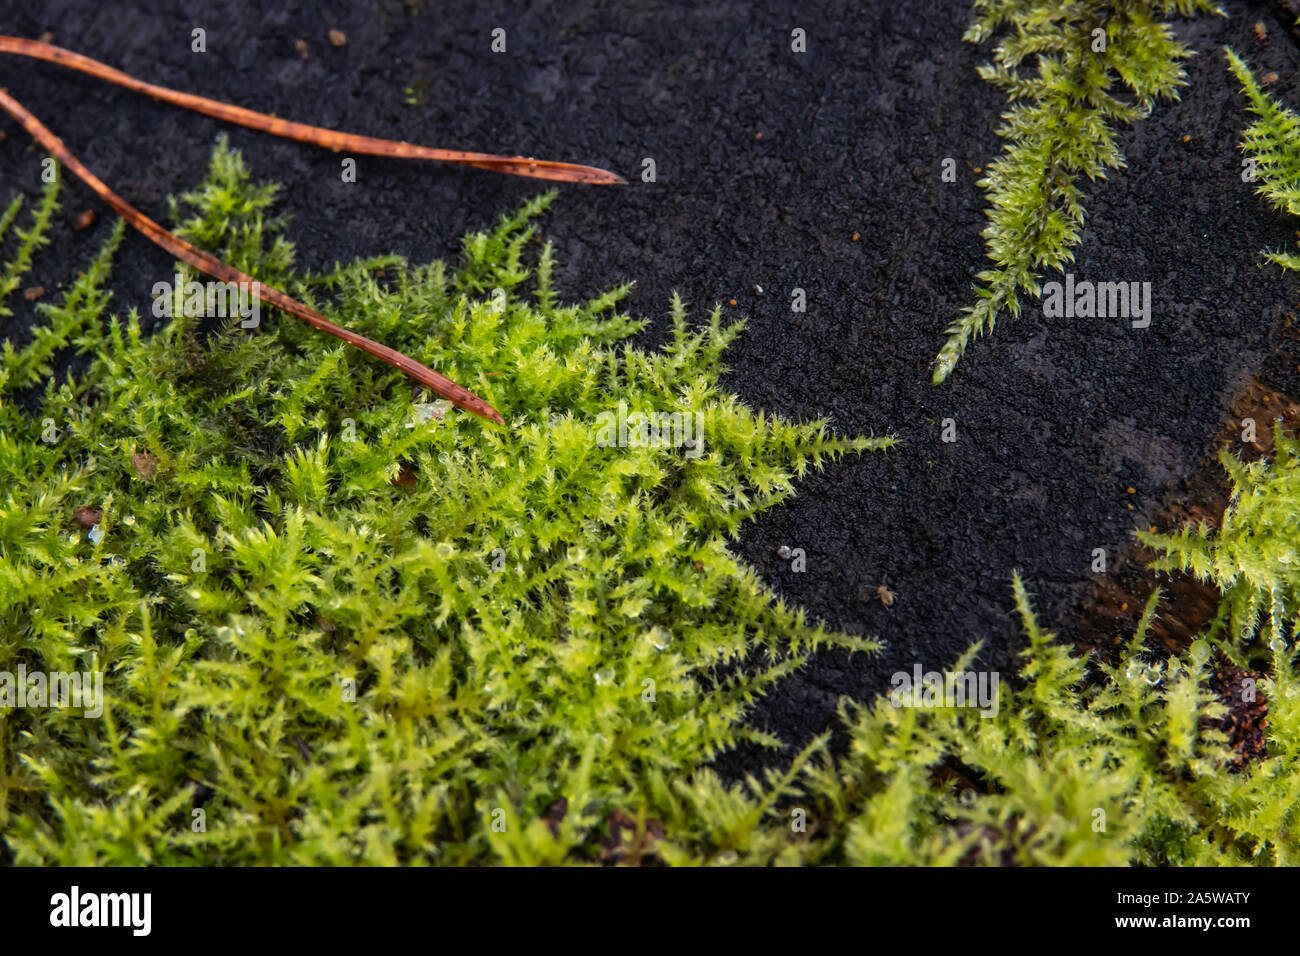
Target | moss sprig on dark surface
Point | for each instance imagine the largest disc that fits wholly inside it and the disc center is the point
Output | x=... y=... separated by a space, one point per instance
x=1272 y=145
x=1060 y=128
x=1254 y=553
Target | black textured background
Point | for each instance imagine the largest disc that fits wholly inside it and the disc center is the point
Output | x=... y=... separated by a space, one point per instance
x=1054 y=420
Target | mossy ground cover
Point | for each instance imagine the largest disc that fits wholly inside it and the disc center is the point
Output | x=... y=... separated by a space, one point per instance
x=340 y=626
x=1055 y=420
x=362 y=628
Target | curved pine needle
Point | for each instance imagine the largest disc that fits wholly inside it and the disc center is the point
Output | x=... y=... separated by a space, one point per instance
x=330 y=139
x=210 y=264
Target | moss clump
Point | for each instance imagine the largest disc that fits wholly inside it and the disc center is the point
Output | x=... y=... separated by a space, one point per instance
x=335 y=627
x=1085 y=763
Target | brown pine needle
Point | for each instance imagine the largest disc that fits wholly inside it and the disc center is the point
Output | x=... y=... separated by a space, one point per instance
x=330 y=139
x=206 y=262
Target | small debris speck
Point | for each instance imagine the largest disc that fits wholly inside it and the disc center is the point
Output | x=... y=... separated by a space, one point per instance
x=145 y=464
x=34 y=293
x=405 y=476
x=84 y=219
x=426 y=412
x=338 y=38
x=87 y=517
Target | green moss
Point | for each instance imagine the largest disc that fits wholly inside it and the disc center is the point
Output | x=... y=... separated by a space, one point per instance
x=337 y=628
x=1272 y=147
x=1084 y=763
x=1059 y=129
x=522 y=615
x=1254 y=554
